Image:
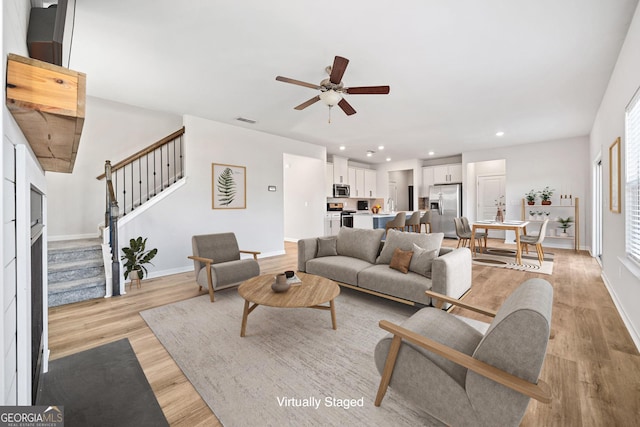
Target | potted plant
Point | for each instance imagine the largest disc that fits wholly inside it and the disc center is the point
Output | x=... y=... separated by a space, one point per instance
x=531 y=197
x=135 y=257
x=564 y=224
x=546 y=194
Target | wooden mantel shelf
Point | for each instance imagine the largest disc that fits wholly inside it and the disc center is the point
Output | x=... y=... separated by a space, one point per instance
x=47 y=102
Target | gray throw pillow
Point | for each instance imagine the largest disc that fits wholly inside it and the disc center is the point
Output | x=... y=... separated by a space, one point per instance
x=327 y=246
x=403 y=240
x=422 y=260
x=359 y=243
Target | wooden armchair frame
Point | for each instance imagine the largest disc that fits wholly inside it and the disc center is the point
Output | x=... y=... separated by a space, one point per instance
x=539 y=391
x=207 y=264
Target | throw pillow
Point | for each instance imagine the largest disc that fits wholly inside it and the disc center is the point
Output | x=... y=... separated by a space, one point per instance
x=327 y=246
x=401 y=260
x=422 y=260
x=399 y=239
x=359 y=243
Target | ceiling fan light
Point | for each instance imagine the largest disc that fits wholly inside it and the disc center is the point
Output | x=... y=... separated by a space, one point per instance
x=330 y=97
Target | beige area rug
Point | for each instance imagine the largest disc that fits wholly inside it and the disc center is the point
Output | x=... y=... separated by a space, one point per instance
x=292 y=368
x=506 y=258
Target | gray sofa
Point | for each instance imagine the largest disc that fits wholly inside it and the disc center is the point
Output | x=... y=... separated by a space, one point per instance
x=357 y=258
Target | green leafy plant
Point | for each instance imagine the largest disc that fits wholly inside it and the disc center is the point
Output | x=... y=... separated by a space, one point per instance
x=546 y=194
x=565 y=223
x=531 y=196
x=136 y=255
x=226 y=187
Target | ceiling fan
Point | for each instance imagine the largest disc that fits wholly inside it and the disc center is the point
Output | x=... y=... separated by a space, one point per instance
x=332 y=89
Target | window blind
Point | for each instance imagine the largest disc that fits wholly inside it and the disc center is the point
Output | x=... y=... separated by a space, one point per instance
x=632 y=181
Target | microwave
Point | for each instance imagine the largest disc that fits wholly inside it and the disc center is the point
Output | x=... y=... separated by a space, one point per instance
x=340 y=190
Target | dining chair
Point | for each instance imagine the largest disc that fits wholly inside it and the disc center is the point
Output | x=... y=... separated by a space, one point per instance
x=426 y=220
x=481 y=236
x=413 y=223
x=398 y=222
x=525 y=241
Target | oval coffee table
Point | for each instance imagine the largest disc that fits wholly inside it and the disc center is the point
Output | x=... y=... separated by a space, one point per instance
x=313 y=291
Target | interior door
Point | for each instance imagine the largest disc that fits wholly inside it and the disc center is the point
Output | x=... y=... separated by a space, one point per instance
x=490 y=189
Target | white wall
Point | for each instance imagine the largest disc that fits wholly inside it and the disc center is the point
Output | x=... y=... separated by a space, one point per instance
x=562 y=165
x=15 y=336
x=623 y=284
x=111 y=131
x=303 y=197
x=170 y=223
x=383 y=178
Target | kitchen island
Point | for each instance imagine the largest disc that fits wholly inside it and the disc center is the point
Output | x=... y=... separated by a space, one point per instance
x=369 y=221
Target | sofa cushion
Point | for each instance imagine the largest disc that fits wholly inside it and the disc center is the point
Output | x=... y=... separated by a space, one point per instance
x=327 y=246
x=339 y=268
x=422 y=260
x=400 y=260
x=381 y=278
x=403 y=240
x=229 y=273
x=360 y=243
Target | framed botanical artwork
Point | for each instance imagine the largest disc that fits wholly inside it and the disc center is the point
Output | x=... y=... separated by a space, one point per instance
x=229 y=186
x=614 y=176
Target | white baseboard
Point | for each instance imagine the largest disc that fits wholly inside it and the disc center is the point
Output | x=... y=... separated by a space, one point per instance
x=632 y=331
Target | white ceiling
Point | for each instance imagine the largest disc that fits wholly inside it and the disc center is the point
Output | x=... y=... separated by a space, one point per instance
x=459 y=70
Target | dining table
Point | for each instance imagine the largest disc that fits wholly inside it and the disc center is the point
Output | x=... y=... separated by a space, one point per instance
x=518 y=227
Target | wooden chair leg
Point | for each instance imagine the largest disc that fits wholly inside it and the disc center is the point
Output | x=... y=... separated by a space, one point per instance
x=540 y=253
x=388 y=368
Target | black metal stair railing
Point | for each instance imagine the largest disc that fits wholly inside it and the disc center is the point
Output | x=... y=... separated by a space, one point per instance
x=145 y=174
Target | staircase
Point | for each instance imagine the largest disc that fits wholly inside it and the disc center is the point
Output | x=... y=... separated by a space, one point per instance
x=75 y=271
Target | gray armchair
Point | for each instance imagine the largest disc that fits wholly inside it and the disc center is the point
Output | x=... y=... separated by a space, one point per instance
x=469 y=373
x=217 y=263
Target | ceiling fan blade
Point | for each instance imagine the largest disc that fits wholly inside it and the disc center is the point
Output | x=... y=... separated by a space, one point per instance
x=367 y=90
x=338 y=69
x=346 y=107
x=307 y=103
x=297 y=82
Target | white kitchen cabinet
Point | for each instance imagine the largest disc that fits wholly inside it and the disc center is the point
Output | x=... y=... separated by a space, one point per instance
x=331 y=224
x=370 y=183
x=328 y=180
x=446 y=174
x=357 y=182
x=427 y=180
x=340 y=170
x=455 y=173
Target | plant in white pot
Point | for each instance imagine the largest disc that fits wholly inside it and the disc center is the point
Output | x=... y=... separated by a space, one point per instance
x=565 y=223
x=135 y=257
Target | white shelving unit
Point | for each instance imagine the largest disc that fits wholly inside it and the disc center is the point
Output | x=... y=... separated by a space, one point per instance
x=558 y=210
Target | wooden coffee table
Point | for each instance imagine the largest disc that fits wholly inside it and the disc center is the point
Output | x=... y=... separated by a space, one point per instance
x=313 y=291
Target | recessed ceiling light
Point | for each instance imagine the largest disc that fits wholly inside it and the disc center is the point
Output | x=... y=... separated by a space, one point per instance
x=500 y=133
x=380 y=147
x=388 y=159
x=370 y=153
x=342 y=148
x=431 y=153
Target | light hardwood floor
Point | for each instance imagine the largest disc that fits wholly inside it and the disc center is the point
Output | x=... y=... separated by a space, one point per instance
x=592 y=364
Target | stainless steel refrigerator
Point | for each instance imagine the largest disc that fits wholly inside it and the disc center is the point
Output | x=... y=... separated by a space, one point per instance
x=445 y=204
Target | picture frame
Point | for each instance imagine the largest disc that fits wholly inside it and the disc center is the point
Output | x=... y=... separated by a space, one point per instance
x=228 y=186
x=614 y=176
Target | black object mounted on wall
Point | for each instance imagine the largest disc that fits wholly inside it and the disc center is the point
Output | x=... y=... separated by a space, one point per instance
x=46 y=32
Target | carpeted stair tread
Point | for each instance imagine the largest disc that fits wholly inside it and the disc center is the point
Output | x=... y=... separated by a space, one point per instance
x=86 y=282
x=75 y=271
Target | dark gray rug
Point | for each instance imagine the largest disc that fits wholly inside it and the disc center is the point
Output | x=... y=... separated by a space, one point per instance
x=103 y=386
